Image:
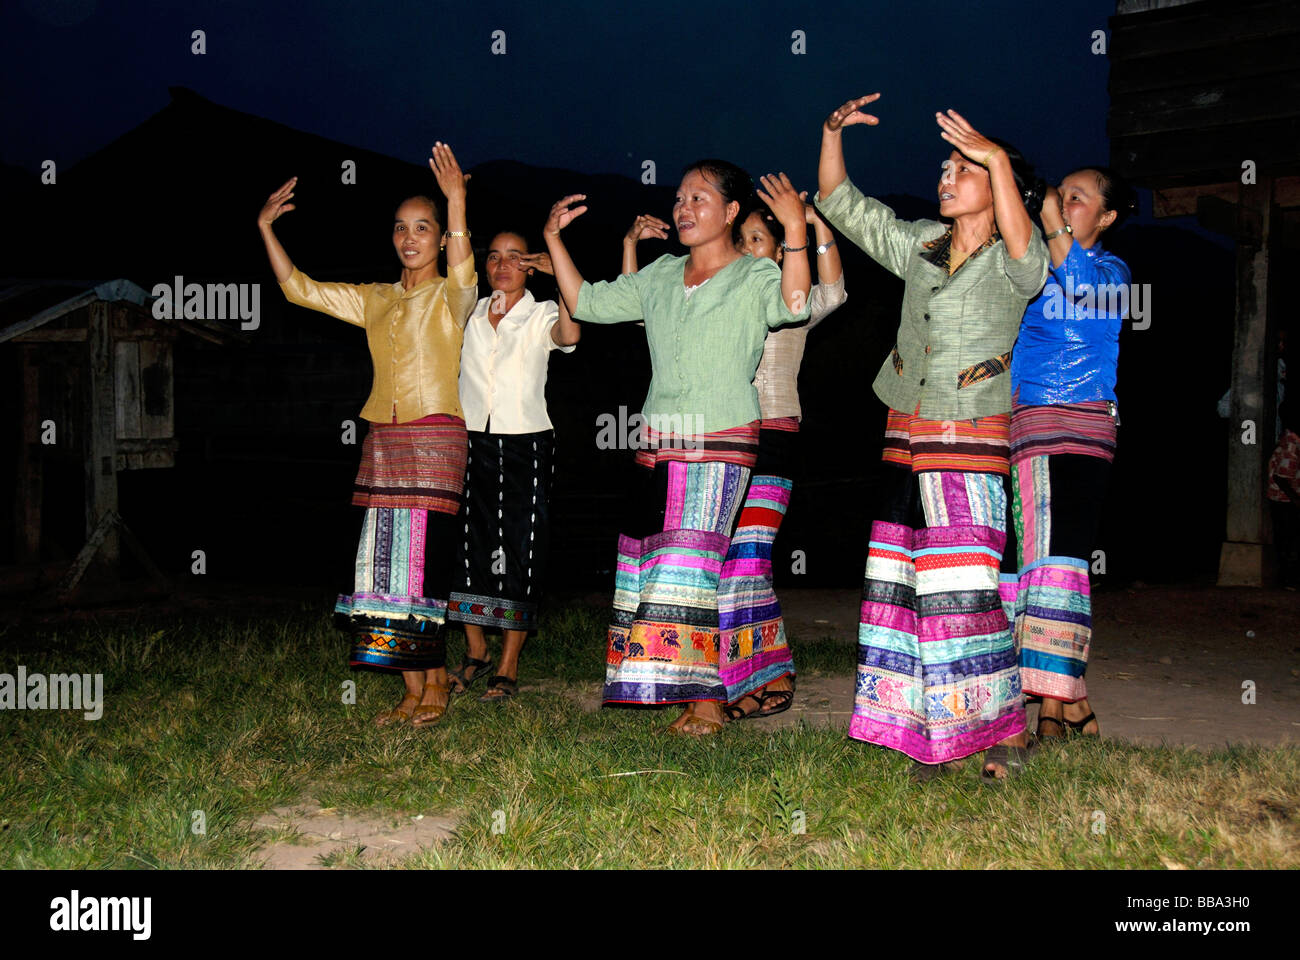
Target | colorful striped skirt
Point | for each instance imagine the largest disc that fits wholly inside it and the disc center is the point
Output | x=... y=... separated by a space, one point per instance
x=1056 y=505
x=410 y=483
x=1086 y=429
x=735 y=445
x=506 y=530
x=663 y=635
x=753 y=649
x=957 y=446
x=413 y=466
x=937 y=676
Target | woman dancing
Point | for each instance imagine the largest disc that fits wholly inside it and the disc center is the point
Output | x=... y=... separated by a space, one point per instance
x=1063 y=425
x=706 y=317
x=413 y=458
x=937 y=671
x=754 y=661
x=499 y=574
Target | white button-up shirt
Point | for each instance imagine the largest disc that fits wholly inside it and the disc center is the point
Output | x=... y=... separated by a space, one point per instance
x=503 y=371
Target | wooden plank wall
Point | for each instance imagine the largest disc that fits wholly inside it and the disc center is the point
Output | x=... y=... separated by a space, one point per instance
x=1197 y=89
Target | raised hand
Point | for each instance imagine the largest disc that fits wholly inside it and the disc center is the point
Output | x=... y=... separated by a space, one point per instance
x=561 y=216
x=810 y=215
x=646 y=226
x=850 y=113
x=451 y=181
x=957 y=130
x=1051 y=205
x=277 y=204
x=783 y=200
x=536 y=261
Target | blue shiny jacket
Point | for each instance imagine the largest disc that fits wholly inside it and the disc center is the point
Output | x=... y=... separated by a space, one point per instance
x=1068 y=347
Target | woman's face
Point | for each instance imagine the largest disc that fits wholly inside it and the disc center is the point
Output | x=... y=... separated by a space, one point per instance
x=1083 y=207
x=504 y=272
x=699 y=212
x=416 y=235
x=964 y=187
x=756 y=240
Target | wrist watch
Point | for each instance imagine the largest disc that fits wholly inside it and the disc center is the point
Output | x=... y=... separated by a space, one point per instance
x=823 y=247
x=1056 y=233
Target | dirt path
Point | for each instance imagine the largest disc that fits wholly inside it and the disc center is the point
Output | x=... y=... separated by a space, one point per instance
x=1168 y=664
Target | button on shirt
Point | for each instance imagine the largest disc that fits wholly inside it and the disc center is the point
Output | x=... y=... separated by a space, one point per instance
x=703 y=350
x=503 y=371
x=968 y=320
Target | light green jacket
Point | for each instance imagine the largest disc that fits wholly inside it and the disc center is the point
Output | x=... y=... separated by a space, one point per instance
x=953 y=353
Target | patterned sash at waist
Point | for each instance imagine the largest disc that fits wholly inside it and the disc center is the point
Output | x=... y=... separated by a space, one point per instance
x=1078 y=428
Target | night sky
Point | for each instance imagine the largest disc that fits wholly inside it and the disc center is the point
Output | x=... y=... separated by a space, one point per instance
x=594 y=87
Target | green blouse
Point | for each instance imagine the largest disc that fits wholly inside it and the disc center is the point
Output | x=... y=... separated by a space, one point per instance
x=703 y=349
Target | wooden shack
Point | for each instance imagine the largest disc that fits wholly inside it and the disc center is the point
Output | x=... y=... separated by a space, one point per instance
x=1205 y=112
x=96 y=387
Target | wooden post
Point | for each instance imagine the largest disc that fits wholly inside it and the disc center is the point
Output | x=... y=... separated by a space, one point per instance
x=1245 y=560
x=30 y=487
x=100 y=449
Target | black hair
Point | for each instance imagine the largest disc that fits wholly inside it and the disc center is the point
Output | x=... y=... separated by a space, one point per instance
x=521 y=234
x=729 y=180
x=439 y=214
x=1032 y=187
x=1117 y=194
x=770 y=222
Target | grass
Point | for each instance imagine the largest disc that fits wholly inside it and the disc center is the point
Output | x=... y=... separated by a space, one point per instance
x=233 y=717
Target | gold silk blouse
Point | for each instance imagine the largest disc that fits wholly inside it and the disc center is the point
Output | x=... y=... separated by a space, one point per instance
x=414 y=337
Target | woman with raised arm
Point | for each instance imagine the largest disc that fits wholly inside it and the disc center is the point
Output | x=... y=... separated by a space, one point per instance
x=754 y=660
x=506 y=522
x=1063 y=425
x=937 y=672
x=706 y=317
x=413 y=458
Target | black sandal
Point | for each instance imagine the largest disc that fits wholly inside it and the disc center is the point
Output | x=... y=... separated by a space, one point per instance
x=1043 y=738
x=783 y=700
x=508 y=687
x=734 y=712
x=480 y=669
x=1075 y=727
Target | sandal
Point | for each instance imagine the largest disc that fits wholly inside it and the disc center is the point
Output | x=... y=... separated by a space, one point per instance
x=1075 y=727
x=427 y=714
x=1042 y=737
x=708 y=726
x=1011 y=759
x=397 y=715
x=506 y=685
x=735 y=712
x=783 y=700
x=480 y=668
